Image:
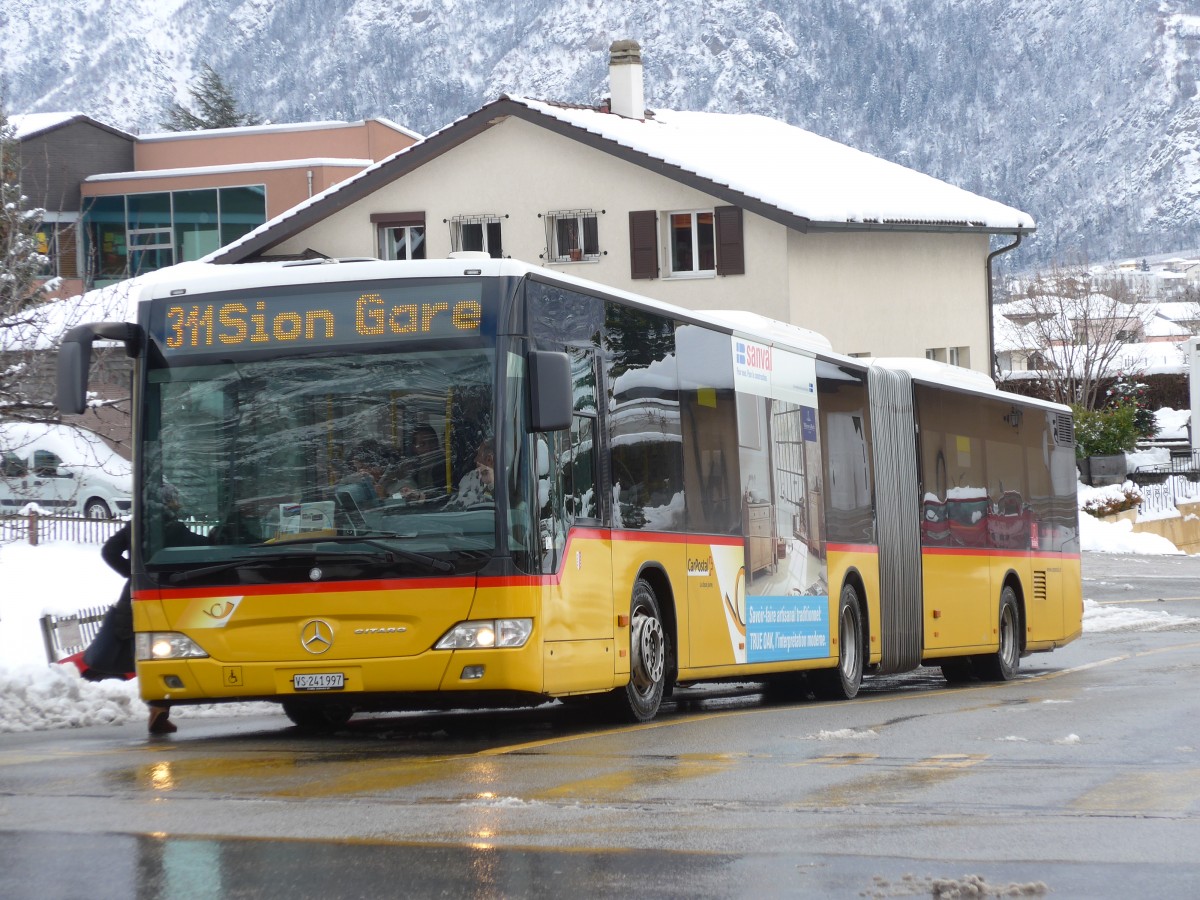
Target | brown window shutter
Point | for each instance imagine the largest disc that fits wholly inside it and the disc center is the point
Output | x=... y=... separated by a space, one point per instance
x=643 y=243
x=68 y=262
x=731 y=252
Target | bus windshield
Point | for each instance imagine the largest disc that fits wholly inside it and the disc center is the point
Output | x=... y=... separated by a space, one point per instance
x=255 y=468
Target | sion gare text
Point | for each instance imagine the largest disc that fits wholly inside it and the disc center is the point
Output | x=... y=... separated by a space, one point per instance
x=236 y=324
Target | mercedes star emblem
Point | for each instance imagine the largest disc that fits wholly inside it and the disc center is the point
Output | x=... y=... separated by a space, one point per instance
x=316 y=636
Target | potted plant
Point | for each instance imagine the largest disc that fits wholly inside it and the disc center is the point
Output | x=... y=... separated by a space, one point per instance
x=1101 y=438
x=576 y=254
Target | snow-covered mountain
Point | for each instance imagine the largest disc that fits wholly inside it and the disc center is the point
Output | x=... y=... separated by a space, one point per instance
x=1086 y=115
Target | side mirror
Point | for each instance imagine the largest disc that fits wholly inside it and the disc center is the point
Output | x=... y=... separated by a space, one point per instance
x=75 y=357
x=551 y=398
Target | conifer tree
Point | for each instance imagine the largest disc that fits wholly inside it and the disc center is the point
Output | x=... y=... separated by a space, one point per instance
x=214 y=106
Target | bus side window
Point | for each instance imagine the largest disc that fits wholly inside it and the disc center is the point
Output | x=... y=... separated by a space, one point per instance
x=581 y=470
x=552 y=517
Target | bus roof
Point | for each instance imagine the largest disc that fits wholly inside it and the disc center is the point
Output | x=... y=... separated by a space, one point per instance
x=188 y=279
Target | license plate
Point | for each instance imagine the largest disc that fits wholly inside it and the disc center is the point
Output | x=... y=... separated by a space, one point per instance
x=321 y=681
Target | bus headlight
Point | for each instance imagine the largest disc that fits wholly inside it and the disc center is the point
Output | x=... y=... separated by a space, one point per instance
x=166 y=645
x=485 y=633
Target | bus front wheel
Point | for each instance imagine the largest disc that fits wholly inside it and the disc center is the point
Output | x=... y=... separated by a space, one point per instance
x=642 y=696
x=843 y=682
x=1003 y=664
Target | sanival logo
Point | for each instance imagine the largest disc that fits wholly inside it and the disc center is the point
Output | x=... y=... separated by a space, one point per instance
x=752 y=361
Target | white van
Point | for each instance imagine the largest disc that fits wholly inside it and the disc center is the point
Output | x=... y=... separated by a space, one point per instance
x=63 y=469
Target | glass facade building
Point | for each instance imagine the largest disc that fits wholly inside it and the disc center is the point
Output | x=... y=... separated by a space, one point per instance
x=126 y=235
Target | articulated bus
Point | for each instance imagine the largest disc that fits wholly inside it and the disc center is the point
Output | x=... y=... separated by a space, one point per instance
x=657 y=497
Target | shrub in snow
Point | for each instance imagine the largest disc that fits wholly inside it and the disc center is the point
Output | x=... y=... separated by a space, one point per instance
x=1107 y=501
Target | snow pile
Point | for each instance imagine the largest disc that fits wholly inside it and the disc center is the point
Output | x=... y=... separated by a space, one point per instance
x=1172 y=423
x=1100 y=618
x=1119 y=537
x=35 y=698
x=842 y=734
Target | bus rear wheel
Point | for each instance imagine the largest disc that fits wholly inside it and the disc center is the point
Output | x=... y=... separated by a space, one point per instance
x=648 y=652
x=843 y=682
x=1003 y=664
x=317 y=718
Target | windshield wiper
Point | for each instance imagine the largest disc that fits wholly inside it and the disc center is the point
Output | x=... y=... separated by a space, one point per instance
x=385 y=554
x=241 y=562
x=438 y=565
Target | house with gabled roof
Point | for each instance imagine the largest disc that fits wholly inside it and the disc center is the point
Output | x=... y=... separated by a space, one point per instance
x=703 y=210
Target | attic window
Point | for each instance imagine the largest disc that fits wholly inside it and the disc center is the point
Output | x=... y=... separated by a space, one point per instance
x=572 y=235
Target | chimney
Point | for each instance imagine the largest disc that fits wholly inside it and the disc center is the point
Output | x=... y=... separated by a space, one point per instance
x=625 y=79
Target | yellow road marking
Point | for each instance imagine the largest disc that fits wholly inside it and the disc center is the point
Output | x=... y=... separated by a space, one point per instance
x=837 y=760
x=1144 y=792
x=952 y=761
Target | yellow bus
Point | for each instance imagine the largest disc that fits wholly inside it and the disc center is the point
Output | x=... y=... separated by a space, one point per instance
x=403 y=485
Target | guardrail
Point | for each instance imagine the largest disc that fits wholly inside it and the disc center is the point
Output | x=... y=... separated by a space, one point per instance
x=1183 y=463
x=69 y=634
x=36 y=527
x=1163 y=496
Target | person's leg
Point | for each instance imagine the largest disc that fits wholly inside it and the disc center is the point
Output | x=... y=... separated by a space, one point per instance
x=160 y=722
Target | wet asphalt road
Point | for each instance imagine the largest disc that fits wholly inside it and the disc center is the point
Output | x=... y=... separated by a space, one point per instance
x=1080 y=779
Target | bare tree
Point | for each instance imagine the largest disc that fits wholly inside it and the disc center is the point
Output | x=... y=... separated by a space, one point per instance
x=23 y=287
x=1078 y=322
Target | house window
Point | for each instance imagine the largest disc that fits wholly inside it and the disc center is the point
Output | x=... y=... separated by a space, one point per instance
x=403 y=242
x=401 y=235
x=572 y=236
x=477 y=233
x=1038 y=361
x=692 y=241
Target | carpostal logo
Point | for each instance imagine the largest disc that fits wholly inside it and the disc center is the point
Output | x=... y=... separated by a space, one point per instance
x=699 y=568
x=754 y=356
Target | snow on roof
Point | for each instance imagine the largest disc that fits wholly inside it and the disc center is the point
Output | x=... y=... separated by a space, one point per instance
x=273 y=128
x=75 y=446
x=833 y=184
x=31 y=124
x=792 y=169
x=229 y=168
x=43 y=327
x=771 y=329
x=937 y=372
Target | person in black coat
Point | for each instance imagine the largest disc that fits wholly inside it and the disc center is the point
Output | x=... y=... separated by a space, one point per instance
x=110 y=655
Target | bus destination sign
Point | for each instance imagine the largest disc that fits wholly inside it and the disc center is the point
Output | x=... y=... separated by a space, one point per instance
x=368 y=314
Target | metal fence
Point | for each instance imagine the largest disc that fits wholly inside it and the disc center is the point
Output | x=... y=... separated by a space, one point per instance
x=1164 y=497
x=34 y=528
x=69 y=634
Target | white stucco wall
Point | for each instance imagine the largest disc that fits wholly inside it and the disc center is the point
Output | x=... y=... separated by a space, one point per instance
x=889 y=294
x=892 y=293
